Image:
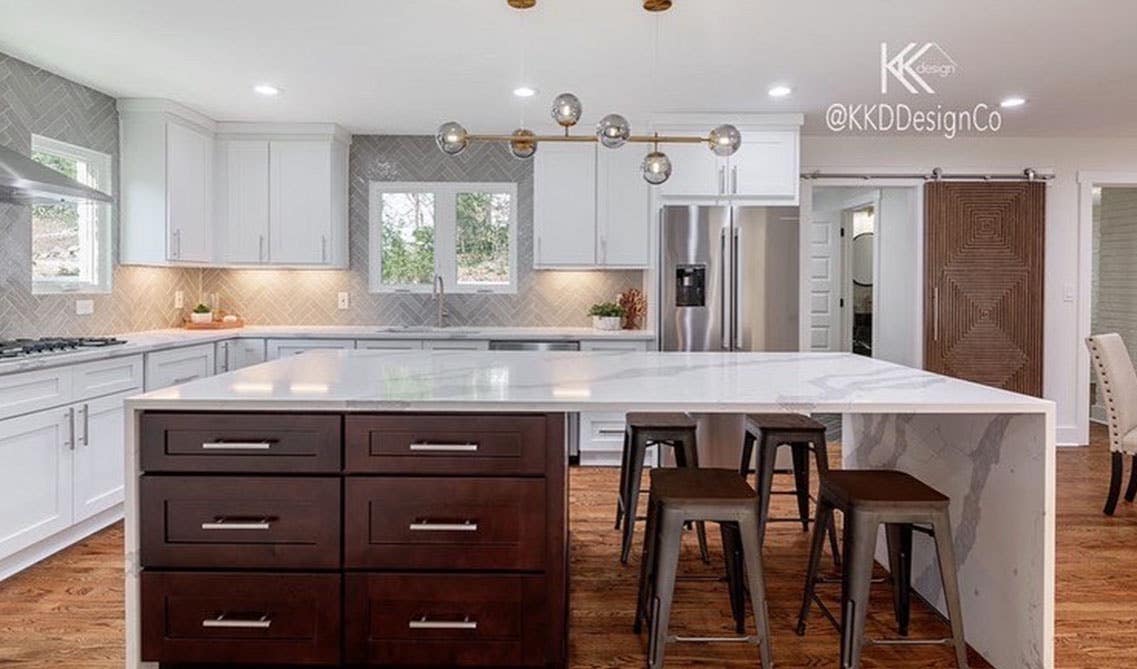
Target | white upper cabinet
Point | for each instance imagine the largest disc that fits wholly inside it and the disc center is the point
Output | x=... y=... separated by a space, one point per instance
x=564 y=205
x=243 y=179
x=206 y=194
x=167 y=169
x=764 y=170
x=590 y=207
x=622 y=208
x=301 y=209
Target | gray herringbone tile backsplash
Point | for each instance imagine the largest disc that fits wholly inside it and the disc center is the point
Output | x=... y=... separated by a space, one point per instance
x=34 y=101
x=309 y=297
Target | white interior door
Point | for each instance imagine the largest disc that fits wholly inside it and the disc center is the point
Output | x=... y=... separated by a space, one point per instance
x=36 y=478
x=300 y=230
x=99 y=455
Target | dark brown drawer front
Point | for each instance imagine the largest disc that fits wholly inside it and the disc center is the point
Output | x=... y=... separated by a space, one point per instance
x=235 y=522
x=238 y=443
x=444 y=523
x=445 y=619
x=239 y=618
x=419 y=444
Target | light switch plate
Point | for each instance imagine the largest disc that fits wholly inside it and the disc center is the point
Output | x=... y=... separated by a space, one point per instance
x=343 y=301
x=179 y=299
x=84 y=307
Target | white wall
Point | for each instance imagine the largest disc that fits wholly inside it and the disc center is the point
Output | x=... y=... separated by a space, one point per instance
x=1065 y=365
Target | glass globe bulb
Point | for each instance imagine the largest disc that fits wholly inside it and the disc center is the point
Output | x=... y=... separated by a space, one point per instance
x=523 y=146
x=613 y=130
x=656 y=168
x=452 y=138
x=725 y=140
x=566 y=110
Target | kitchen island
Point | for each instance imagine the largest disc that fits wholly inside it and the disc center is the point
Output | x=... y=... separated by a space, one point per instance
x=372 y=436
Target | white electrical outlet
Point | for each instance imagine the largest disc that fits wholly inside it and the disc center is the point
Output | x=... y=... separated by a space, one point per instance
x=84 y=307
x=344 y=301
x=179 y=299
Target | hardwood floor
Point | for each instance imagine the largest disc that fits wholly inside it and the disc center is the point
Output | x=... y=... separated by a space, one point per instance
x=67 y=611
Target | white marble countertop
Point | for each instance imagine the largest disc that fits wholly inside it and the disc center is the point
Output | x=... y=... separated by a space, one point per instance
x=154 y=340
x=358 y=380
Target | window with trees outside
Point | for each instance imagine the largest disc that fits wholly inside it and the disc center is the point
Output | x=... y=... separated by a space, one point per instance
x=71 y=241
x=465 y=233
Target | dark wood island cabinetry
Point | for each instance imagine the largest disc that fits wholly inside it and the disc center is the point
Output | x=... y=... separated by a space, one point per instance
x=353 y=539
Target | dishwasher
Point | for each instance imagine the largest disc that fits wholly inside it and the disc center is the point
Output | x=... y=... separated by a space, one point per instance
x=572 y=422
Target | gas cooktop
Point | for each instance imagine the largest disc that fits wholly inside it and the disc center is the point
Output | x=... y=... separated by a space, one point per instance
x=22 y=348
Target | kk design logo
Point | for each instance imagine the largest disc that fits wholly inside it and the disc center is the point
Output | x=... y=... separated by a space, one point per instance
x=912 y=64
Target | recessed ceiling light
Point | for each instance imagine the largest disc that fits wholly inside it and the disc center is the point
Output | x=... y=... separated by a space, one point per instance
x=525 y=91
x=779 y=91
x=267 y=90
x=1013 y=101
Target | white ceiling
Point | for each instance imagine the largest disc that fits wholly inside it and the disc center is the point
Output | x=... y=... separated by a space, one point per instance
x=404 y=66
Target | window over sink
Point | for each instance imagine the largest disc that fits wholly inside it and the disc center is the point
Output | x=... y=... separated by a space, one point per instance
x=71 y=242
x=464 y=232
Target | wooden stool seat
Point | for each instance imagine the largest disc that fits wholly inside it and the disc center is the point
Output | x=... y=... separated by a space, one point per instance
x=784 y=421
x=643 y=430
x=903 y=504
x=869 y=487
x=679 y=496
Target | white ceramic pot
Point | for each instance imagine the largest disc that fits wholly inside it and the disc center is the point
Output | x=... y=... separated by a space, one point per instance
x=606 y=322
x=201 y=318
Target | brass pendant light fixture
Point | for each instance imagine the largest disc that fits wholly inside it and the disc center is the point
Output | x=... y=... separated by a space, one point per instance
x=612 y=132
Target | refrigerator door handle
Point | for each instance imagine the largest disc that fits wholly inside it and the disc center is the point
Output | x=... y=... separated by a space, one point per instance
x=735 y=269
x=724 y=323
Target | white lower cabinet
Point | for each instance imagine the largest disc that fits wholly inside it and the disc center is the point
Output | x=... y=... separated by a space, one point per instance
x=283 y=348
x=237 y=354
x=99 y=455
x=177 y=366
x=601 y=435
x=389 y=344
x=36 y=478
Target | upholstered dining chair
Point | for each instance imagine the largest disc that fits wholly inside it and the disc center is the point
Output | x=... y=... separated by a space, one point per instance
x=1117 y=384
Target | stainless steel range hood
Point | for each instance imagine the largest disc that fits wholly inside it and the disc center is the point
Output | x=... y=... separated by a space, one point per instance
x=24 y=181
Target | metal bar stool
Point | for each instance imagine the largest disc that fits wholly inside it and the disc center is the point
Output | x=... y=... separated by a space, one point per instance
x=678 y=496
x=904 y=504
x=802 y=435
x=642 y=431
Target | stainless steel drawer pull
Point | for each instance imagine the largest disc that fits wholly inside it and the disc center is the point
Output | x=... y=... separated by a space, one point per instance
x=611 y=431
x=259 y=623
x=223 y=523
x=424 y=525
x=444 y=448
x=237 y=445
x=424 y=624
x=184 y=379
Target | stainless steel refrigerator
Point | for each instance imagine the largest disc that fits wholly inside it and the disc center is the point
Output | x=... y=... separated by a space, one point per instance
x=729 y=278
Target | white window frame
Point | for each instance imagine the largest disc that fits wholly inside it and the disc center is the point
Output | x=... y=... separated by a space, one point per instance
x=445 y=234
x=101 y=164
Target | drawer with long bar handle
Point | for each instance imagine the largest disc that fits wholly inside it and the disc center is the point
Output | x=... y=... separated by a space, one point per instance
x=445 y=619
x=232 y=522
x=493 y=445
x=444 y=523
x=241 y=443
x=231 y=618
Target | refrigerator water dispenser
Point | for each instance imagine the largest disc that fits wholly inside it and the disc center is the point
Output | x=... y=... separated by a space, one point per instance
x=691 y=286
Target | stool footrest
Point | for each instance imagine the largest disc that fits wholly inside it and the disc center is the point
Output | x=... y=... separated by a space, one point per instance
x=909 y=642
x=745 y=638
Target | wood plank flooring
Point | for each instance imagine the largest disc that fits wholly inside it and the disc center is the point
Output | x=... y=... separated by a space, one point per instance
x=67 y=611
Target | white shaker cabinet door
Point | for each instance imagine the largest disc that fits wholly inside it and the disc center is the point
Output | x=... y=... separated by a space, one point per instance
x=564 y=205
x=766 y=167
x=695 y=171
x=622 y=204
x=179 y=365
x=245 y=233
x=36 y=477
x=99 y=455
x=301 y=203
x=456 y=344
x=284 y=348
x=189 y=158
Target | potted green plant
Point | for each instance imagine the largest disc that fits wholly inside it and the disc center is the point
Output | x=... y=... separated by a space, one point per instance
x=202 y=313
x=606 y=316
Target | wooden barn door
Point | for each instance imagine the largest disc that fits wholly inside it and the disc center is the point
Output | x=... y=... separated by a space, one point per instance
x=983 y=282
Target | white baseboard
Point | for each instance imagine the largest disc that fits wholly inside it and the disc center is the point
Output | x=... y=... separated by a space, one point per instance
x=26 y=557
x=1069 y=436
